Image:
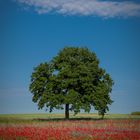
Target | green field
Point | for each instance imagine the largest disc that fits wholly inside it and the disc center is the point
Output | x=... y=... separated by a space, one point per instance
x=9 y=118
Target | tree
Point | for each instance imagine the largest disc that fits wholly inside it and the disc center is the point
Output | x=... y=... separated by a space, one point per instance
x=72 y=78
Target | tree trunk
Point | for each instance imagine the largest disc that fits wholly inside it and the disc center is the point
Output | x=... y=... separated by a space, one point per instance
x=67 y=111
x=102 y=116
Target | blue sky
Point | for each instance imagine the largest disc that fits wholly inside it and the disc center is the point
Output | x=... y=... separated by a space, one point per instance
x=33 y=32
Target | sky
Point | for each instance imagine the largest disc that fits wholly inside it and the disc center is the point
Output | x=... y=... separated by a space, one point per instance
x=34 y=31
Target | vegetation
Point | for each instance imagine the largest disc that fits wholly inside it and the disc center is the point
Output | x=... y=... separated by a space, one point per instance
x=34 y=118
x=135 y=113
x=72 y=78
x=80 y=127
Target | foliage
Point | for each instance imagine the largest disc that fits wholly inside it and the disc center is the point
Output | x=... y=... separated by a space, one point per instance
x=74 y=78
x=135 y=113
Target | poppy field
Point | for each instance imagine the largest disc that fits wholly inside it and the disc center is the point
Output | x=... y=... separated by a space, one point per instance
x=74 y=129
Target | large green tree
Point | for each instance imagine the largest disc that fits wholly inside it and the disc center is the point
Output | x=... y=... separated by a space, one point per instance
x=74 y=80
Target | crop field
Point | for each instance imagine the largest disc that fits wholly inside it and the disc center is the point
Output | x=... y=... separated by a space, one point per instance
x=80 y=127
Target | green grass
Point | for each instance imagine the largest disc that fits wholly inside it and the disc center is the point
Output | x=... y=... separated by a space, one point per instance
x=30 y=118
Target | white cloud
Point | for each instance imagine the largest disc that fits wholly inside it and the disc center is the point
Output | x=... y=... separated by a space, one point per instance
x=85 y=7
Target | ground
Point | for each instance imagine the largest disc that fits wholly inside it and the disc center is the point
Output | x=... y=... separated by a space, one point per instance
x=80 y=127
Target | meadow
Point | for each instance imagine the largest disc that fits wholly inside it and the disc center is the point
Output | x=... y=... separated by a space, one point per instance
x=79 y=127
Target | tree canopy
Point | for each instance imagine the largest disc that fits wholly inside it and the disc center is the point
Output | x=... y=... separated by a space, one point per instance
x=72 y=78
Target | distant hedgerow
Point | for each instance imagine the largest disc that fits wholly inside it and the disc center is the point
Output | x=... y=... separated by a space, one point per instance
x=135 y=113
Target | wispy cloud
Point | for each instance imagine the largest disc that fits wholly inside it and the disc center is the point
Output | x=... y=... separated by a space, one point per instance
x=100 y=8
